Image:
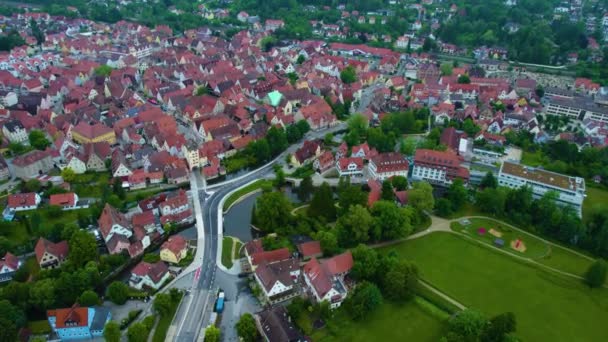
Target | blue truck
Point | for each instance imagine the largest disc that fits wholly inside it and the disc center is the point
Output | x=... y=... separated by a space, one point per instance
x=219 y=305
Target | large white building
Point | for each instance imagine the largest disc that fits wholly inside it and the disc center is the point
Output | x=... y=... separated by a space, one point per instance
x=438 y=167
x=570 y=190
x=576 y=108
x=387 y=165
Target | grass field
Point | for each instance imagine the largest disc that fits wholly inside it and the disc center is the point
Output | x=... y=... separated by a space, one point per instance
x=548 y=307
x=39 y=327
x=391 y=322
x=259 y=184
x=532 y=159
x=164 y=322
x=237 y=248
x=596 y=199
x=227 y=251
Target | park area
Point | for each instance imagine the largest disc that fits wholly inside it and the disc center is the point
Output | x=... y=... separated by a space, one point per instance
x=413 y=321
x=230 y=250
x=548 y=306
x=523 y=244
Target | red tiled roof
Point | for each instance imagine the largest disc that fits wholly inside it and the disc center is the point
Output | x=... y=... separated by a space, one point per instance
x=63 y=200
x=270 y=256
x=176 y=244
x=110 y=216
x=390 y=162
x=339 y=264
x=143 y=219
x=91 y=131
x=154 y=271
x=30 y=158
x=311 y=248
x=59 y=250
x=70 y=317
x=344 y=162
x=10 y=261
x=22 y=200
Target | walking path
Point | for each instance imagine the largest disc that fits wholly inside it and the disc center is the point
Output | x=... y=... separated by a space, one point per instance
x=442 y=295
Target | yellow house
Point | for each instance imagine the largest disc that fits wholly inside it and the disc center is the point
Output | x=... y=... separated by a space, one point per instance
x=85 y=133
x=174 y=250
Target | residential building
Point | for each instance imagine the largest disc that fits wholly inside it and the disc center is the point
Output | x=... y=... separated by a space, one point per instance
x=387 y=165
x=306 y=153
x=49 y=254
x=351 y=167
x=85 y=133
x=278 y=279
x=79 y=323
x=275 y=325
x=32 y=164
x=325 y=280
x=438 y=167
x=147 y=275
x=324 y=162
x=570 y=190
x=96 y=155
x=15 y=132
x=112 y=222
x=9 y=264
x=310 y=249
x=23 y=201
x=174 y=250
x=255 y=254
x=67 y=201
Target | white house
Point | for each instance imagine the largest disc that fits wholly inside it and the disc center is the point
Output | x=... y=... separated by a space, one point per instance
x=277 y=279
x=146 y=275
x=15 y=132
x=24 y=201
x=352 y=166
x=325 y=281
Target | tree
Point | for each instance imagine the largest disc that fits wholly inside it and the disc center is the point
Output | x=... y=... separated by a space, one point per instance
x=68 y=175
x=37 y=32
x=387 y=191
x=401 y=280
x=358 y=124
x=260 y=150
x=103 y=70
x=443 y=207
x=466 y=325
x=540 y=91
x=596 y=274
x=464 y=79
x=8 y=331
x=322 y=203
x=470 y=127
x=491 y=201
x=83 y=248
x=353 y=227
x=389 y=221
x=446 y=69
x=118 y=292
x=365 y=298
x=88 y=298
x=348 y=75
x=408 y=146
x=349 y=195
x=12 y=313
x=399 y=183
x=138 y=332
x=365 y=263
x=117 y=189
x=499 y=328
x=305 y=189
x=38 y=140
x=421 y=196
x=277 y=140
x=279 y=174
x=111 y=332
x=272 y=211
x=42 y=294
x=246 y=328
x=329 y=241
x=489 y=181
x=212 y=334
x=17 y=148
x=200 y=91
x=301 y=59
x=457 y=194
x=32 y=185
x=162 y=304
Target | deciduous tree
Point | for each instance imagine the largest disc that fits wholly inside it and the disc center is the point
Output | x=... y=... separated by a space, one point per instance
x=88 y=298
x=246 y=328
x=596 y=274
x=421 y=196
x=272 y=211
x=83 y=248
x=389 y=221
x=366 y=297
x=118 y=292
x=111 y=332
x=322 y=203
x=353 y=227
x=212 y=334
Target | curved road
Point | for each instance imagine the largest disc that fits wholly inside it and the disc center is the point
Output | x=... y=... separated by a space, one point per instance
x=194 y=312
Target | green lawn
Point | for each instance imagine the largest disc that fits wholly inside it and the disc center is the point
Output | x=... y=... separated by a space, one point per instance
x=548 y=307
x=259 y=184
x=91 y=184
x=535 y=248
x=15 y=232
x=532 y=159
x=237 y=248
x=227 y=251
x=596 y=199
x=39 y=327
x=411 y=321
x=468 y=209
x=164 y=322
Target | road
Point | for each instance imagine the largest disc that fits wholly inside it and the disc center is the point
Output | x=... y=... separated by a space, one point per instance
x=195 y=311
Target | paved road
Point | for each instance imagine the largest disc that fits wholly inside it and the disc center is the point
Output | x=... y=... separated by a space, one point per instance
x=195 y=311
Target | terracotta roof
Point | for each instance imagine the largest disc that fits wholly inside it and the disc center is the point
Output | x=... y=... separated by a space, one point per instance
x=91 y=131
x=30 y=158
x=318 y=277
x=59 y=250
x=344 y=162
x=339 y=264
x=63 y=200
x=270 y=273
x=70 y=317
x=10 y=261
x=110 y=216
x=21 y=200
x=309 y=249
x=270 y=256
x=176 y=244
x=390 y=162
x=154 y=271
x=143 y=219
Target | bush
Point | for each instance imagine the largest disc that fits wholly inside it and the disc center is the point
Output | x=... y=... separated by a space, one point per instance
x=130 y=318
x=118 y=292
x=596 y=274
